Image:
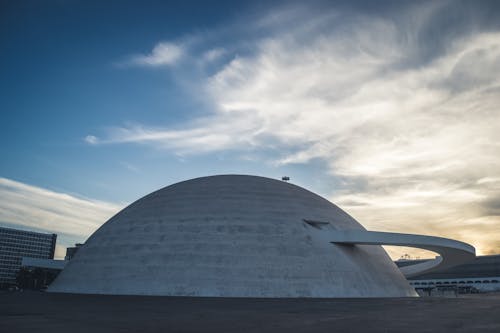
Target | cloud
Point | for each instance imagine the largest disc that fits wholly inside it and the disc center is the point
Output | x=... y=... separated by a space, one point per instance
x=410 y=131
x=91 y=139
x=213 y=54
x=72 y=218
x=163 y=54
x=130 y=167
x=429 y=207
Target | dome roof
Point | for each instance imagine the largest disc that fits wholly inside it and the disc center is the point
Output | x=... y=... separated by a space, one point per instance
x=230 y=236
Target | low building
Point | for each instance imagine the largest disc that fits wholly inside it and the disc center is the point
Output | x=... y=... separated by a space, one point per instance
x=480 y=275
x=16 y=244
x=38 y=273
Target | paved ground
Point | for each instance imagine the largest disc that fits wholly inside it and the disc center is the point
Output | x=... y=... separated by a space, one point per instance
x=44 y=312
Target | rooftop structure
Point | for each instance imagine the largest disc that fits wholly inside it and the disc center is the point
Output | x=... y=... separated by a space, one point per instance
x=71 y=251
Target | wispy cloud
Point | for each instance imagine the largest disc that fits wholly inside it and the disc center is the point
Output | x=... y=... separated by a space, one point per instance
x=213 y=54
x=410 y=130
x=163 y=54
x=72 y=218
x=91 y=139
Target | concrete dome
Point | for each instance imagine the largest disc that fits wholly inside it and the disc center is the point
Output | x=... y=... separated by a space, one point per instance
x=230 y=236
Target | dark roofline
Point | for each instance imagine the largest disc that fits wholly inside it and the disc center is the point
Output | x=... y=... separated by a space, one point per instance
x=29 y=231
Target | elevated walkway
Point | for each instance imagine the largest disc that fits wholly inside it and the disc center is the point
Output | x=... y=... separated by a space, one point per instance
x=451 y=252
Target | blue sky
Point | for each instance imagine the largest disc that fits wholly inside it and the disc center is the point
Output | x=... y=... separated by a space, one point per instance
x=388 y=109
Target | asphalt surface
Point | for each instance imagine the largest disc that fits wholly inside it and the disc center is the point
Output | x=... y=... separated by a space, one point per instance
x=46 y=312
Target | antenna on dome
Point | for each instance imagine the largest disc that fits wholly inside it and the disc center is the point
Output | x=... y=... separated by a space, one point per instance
x=285 y=178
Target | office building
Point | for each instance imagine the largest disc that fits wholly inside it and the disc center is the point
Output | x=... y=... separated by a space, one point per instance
x=16 y=244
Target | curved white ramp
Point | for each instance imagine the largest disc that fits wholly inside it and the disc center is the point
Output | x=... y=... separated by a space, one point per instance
x=451 y=252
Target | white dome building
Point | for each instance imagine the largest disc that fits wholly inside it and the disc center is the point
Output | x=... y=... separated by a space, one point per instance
x=231 y=236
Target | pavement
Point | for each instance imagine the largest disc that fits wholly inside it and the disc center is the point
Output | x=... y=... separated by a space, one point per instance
x=54 y=313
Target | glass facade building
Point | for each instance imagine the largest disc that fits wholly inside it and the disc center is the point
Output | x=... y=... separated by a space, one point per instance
x=16 y=244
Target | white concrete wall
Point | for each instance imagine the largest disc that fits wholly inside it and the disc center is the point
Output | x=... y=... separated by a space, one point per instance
x=231 y=236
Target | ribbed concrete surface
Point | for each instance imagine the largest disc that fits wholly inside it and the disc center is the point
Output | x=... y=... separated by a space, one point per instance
x=230 y=236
